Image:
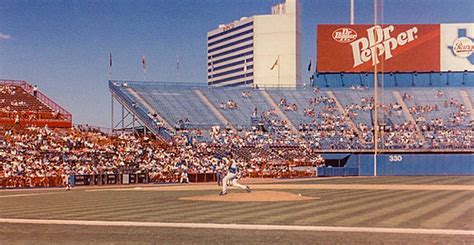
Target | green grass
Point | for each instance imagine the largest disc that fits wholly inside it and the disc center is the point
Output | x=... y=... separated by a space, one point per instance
x=409 y=180
x=355 y=208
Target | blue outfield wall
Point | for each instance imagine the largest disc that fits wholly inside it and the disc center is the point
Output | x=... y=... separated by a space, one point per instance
x=336 y=171
x=413 y=164
x=395 y=164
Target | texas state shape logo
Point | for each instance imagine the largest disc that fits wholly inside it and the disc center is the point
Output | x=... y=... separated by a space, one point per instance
x=463 y=46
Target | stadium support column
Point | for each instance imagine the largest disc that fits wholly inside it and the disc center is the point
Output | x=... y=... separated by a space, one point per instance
x=123 y=118
x=133 y=123
x=112 y=111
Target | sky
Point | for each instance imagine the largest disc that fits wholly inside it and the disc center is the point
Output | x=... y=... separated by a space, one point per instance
x=63 y=46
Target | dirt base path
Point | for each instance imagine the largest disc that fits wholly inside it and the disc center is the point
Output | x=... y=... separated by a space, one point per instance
x=202 y=187
x=259 y=196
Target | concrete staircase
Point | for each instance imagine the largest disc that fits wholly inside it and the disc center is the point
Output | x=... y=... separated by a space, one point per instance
x=467 y=102
x=407 y=114
x=214 y=110
x=149 y=108
x=278 y=110
x=340 y=109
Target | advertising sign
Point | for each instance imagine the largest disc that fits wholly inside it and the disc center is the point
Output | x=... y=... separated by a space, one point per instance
x=358 y=48
x=457 y=47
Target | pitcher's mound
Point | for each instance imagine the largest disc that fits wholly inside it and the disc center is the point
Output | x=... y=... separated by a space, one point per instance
x=255 y=196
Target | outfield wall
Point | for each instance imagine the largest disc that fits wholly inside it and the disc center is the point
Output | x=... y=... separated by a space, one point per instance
x=413 y=164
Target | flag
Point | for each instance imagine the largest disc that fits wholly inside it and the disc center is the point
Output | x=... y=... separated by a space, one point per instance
x=309 y=66
x=144 y=62
x=276 y=63
x=177 y=63
x=110 y=59
x=177 y=68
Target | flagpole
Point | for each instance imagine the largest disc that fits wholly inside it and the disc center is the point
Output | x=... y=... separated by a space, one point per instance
x=110 y=65
x=144 y=67
x=279 y=70
x=177 y=69
x=309 y=71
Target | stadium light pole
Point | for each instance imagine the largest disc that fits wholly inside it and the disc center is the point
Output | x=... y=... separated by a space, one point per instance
x=376 y=126
x=352 y=12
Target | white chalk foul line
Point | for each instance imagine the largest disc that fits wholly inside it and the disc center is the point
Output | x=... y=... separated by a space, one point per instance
x=26 y=195
x=243 y=226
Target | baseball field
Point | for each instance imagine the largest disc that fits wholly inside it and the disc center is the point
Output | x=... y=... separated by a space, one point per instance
x=360 y=210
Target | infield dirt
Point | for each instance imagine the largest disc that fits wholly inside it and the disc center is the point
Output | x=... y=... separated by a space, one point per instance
x=256 y=196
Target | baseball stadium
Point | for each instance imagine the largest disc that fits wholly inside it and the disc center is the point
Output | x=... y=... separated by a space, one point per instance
x=369 y=142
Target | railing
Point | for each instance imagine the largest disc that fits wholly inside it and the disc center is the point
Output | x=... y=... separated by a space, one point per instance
x=395 y=79
x=290 y=174
x=107 y=131
x=163 y=84
x=40 y=96
x=14 y=82
x=133 y=178
x=322 y=81
x=138 y=111
x=53 y=105
x=401 y=151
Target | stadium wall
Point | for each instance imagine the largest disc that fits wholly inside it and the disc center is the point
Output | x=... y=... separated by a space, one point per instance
x=413 y=164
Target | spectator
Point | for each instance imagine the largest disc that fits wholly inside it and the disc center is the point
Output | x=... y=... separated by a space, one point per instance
x=35 y=90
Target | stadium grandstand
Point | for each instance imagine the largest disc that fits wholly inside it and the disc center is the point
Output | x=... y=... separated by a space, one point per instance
x=372 y=143
x=319 y=130
x=418 y=110
x=22 y=104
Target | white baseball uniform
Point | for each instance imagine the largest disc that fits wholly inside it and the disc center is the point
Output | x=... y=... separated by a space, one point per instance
x=231 y=176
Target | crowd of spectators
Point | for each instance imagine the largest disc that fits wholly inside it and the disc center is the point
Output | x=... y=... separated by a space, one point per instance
x=273 y=149
x=230 y=105
x=43 y=152
x=17 y=104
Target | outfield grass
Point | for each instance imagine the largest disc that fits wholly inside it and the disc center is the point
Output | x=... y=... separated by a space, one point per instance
x=353 y=208
x=409 y=180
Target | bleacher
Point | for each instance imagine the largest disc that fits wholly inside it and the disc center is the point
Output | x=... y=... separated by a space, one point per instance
x=173 y=105
x=202 y=107
x=426 y=96
x=21 y=104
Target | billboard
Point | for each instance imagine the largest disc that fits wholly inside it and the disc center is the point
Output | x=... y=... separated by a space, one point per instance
x=397 y=47
x=457 y=47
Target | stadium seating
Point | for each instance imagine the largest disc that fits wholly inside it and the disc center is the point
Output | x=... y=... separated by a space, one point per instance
x=327 y=119
x=407 y=101
x=21 y=104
